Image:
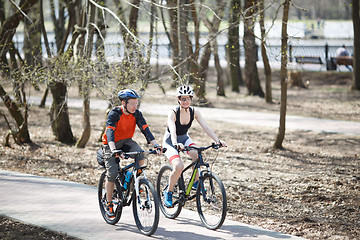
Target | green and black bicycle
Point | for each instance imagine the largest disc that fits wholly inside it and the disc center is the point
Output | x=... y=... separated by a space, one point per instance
x=211 y=202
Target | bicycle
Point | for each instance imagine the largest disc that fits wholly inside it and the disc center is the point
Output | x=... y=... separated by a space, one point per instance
x=211 y=201
x=139 y=190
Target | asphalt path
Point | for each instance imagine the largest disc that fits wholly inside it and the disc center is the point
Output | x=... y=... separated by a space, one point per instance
x=72 y=208
x=240 y=117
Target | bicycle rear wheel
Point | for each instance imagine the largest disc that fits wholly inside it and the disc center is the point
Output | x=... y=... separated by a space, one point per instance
x=102 y=201
x=211 y=201
x=162 y=185
x=146 y=208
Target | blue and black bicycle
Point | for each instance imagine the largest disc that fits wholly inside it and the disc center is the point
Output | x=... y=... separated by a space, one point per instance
x=132 y=186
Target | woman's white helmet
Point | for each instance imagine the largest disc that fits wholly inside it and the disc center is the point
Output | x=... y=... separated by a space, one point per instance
x=185 y=90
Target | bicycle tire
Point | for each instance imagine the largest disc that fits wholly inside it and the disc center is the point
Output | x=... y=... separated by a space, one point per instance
x=146 y=214
x=212 y=204
x=102 y=201
x=162 y=184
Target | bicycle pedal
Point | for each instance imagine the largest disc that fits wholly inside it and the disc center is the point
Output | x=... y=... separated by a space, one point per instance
x=172 y=206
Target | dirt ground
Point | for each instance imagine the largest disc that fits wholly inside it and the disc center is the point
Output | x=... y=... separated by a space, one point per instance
x=310 y=189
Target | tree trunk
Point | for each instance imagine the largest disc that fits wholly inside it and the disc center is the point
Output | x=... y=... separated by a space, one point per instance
x=2 y=12
x=58 y=19
x=59 y=116
x=183 y=69
x=252 y=80
x=99 y=43
x=284 y=56
x=15 y=73
x=86 y=123
x=171 y=4
x=201 y=76
x=85 y=84
x=267 y=68
x=32 y=40
x=356 y=57
x=220 y=73
x=12 y=107
x=43 y=98
x=145 y=78
x=233 y=48
x=22 y=135
x=43 y=30
x=72 y=7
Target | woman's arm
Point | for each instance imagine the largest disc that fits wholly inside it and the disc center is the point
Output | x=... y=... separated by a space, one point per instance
x=205 y=126
x=172 y=126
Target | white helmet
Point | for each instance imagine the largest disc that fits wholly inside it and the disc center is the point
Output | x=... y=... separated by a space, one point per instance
x=185 y=90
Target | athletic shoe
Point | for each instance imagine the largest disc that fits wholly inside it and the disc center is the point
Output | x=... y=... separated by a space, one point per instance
x=109 y=209
x=168 y=199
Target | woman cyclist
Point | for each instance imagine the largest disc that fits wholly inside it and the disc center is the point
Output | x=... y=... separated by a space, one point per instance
x=176 y=136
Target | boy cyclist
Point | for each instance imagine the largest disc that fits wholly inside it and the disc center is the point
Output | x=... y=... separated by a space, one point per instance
x=120 y=128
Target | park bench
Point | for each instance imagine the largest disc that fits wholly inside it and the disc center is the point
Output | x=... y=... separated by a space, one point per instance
x=342 y=60
x=308 y=60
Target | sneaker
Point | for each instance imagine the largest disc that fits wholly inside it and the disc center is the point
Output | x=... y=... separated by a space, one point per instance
x=168 y=199
x=109 y=209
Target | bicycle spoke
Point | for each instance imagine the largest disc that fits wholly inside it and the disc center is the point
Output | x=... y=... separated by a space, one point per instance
x=146 y=209
x=211 y=202
x=162 y=185
x=102 y=201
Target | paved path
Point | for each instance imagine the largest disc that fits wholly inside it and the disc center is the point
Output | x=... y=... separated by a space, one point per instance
x=72 y=208
x=240 y=117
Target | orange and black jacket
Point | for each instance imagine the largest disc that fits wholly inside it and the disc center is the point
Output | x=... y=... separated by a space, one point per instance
x=120 y=126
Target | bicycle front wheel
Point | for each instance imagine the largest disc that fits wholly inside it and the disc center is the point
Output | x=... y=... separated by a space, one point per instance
x=146 y=208
x=102 y=201
x=211 y=201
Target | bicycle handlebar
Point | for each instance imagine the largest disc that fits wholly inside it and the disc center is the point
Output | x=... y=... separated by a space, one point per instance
x=127 y=154
x=213 y=145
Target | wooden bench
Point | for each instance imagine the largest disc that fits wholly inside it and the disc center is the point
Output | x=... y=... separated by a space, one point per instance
x=309 y=60
x=343 y=60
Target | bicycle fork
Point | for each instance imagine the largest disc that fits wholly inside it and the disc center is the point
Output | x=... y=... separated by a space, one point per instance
x=137 y=179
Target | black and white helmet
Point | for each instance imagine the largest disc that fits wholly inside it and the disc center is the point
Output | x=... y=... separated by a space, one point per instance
x=185 y=90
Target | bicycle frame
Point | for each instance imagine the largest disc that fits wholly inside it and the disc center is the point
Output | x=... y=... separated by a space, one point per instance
x=137 y=177
x=197 y=164
x=137 y=170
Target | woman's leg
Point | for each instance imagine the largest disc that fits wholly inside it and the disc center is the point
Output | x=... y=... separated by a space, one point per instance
x=178 y=167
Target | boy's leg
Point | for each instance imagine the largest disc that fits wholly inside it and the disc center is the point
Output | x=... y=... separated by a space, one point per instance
x=132 y=146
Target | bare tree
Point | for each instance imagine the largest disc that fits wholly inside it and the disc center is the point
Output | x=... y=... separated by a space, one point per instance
x=7 y=32
x=32 y=37
x=213 y=27
x=252 y=80
x=267 y=68
x=284 y=56
x=58 y=19
x=233 y=48
x=85 y=81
